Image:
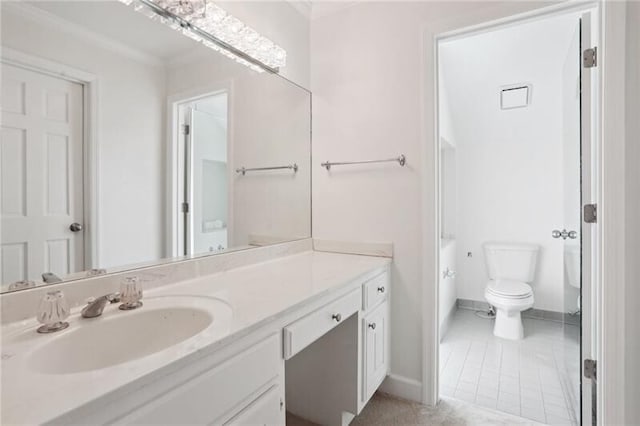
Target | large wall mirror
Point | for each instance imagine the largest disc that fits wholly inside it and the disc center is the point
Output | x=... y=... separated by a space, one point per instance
x=125 y=142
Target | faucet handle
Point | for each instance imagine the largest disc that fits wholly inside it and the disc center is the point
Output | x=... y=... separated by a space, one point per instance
x=130 y=293
x=52 y=312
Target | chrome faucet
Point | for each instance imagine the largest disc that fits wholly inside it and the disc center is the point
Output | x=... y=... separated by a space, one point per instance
x=95 y=307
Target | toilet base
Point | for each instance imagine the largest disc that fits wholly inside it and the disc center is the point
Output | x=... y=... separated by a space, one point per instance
x=508 y=325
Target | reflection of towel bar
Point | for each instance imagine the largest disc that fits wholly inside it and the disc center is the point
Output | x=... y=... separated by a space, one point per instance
x=400 y=160
x=243 y=170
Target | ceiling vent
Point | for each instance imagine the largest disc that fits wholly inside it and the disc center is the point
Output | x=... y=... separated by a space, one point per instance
x=515 y=96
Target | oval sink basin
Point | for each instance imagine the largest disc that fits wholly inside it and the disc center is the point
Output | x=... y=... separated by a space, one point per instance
x=123 y=336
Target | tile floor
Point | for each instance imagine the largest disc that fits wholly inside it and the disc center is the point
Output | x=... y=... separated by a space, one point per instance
x=536 y=378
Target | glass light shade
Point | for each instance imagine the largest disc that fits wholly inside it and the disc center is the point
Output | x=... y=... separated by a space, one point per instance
x=213 y=20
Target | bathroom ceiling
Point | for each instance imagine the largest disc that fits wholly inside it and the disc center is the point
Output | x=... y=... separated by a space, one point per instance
x=118 y=23
x=324 y=8
x=313 y=9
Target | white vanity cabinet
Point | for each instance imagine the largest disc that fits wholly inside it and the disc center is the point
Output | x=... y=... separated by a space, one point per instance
x=322 y=359
x=227 y=393
x=375 y=355
x=268 y=410
x=375 y=334
x=333 y=368
x=239 y=386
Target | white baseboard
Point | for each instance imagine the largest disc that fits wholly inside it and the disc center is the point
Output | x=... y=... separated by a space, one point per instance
x=448 y=319
x=402 y=387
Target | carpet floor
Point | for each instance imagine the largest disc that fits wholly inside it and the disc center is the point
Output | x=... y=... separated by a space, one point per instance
x=385 y=410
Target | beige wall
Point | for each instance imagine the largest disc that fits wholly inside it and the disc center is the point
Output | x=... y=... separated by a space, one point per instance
x=372 y=83
x=632 y=227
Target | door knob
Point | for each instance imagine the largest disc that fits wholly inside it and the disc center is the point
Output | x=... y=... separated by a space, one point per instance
x=75 y=227
x=564 y=234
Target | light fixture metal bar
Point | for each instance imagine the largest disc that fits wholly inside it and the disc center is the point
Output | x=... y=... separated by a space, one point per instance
x=205 y=35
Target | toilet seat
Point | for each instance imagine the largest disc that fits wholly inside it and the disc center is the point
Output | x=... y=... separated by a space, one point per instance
x=509 y=289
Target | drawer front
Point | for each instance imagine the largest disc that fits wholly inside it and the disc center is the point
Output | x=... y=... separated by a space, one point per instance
x=207 y=397
x=305 y=331
x=267 y=410
x=375 y=291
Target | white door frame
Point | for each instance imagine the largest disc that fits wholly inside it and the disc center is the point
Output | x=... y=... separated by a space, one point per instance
x=173 y=137
x=90 y=141
x=600 y=163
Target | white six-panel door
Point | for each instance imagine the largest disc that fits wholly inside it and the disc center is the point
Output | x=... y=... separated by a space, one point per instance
x=41 y=172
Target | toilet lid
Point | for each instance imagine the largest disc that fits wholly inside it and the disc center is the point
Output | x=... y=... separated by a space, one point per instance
x=509 y=288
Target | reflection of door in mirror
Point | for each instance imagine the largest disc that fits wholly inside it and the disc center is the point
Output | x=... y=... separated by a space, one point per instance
x=205 y=194
x=42 y=175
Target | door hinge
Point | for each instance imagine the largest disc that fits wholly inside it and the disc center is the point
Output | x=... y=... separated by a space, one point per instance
x=590 y=369
x=186 y=129
x=185 y=207
x=590 y=57
x=590 y=213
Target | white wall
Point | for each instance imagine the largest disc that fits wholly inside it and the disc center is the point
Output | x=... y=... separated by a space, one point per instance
x=632 y=225
x=510 y=172
x=130 y=131
x=373 y=98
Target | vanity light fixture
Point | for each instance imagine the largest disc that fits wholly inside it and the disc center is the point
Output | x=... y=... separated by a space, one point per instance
x=210 y=25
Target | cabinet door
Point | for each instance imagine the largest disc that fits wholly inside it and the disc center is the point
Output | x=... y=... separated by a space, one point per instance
x=376 y=349
x=266 y=410
x=212 y=394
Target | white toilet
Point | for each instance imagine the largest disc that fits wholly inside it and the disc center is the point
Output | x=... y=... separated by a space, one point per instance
x=511 y=268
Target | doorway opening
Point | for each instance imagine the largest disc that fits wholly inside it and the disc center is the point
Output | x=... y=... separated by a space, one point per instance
x=514 y=112
x=203 y=198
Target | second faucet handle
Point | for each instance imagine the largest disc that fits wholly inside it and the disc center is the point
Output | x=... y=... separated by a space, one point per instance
x=52 y=312
x=130 y=293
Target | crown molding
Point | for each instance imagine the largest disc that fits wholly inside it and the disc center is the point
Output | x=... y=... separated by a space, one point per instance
x=321 y=9
x=45 y=18
x=302 y=6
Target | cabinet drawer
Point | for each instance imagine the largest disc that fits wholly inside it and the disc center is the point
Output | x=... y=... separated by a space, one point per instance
x=305 y=331
x=205 y=398
x=268 y=410
x=375 y=291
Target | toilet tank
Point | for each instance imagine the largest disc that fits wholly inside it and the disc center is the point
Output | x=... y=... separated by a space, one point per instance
x=511 y=261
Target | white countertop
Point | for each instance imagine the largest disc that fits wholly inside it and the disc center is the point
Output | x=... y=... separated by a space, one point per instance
x=257 y=294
